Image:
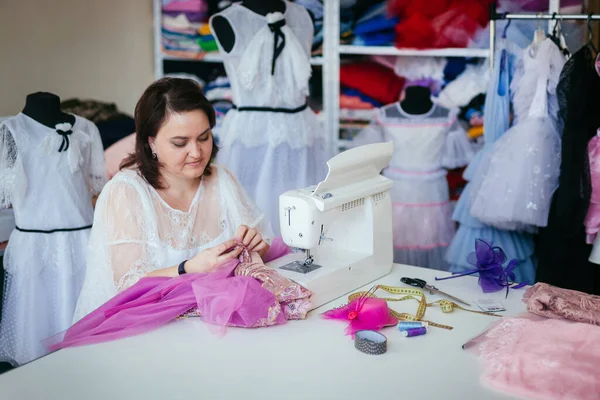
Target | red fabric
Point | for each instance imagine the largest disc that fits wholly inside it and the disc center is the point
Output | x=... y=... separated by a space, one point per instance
x=438 y=23
x=373 y=80
x=456 y=183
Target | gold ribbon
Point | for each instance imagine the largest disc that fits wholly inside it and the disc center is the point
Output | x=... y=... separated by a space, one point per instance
x=446 y=306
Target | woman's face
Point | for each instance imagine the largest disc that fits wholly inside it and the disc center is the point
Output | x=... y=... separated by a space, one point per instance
x=183 y=144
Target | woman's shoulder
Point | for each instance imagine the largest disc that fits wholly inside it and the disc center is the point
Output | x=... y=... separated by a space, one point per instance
x=126 y=182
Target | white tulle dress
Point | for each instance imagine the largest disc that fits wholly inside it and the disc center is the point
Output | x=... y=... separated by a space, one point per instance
x=515 y=182
x=424 y=145
x=135 y=231
x=272 y=142
x=51 y=193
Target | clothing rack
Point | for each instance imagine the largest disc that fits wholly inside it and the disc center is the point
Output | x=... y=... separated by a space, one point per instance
x=495 y=16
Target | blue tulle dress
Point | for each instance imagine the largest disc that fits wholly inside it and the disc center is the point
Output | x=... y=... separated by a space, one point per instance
x=515 y=244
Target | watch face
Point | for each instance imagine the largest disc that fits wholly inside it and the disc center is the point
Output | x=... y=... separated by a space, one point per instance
x=598 y=64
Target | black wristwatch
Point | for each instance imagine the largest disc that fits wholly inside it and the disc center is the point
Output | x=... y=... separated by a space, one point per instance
x=181 y=269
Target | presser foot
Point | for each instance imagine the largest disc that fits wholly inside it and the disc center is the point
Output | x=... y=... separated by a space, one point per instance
x=301 y=267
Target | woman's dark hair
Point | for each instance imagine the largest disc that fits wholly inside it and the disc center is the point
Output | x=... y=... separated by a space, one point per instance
x=164 y=97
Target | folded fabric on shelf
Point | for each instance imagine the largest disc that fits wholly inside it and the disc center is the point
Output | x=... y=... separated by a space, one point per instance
x=373 y=80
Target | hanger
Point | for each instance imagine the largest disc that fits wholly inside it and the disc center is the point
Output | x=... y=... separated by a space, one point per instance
x=539 y=36
x=558 y=37
x=591 y=33
x=507 y=25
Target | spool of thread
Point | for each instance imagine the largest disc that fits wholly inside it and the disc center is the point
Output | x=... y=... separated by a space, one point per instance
x=402 y=326
x=414 y=332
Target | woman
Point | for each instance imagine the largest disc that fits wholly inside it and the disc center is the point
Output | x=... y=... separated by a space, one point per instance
x=168 y=211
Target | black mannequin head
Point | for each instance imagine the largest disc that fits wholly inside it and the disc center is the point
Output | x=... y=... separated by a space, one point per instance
x=45 y=108
x=222 y=29
x=417 y=100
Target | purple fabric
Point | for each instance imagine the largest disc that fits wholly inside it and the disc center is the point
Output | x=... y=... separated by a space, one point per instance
x=489 y=263
x=220 y=297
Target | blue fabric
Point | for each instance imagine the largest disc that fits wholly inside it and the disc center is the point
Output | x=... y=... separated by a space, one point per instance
x=375 y=24
x=353 y=92
x=496 y=121
x=375 y=39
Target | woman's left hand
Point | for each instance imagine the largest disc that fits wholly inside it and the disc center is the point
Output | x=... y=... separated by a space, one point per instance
x=252 y=239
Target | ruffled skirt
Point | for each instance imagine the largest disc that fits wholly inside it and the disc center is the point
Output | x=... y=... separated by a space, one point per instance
x=422 y=222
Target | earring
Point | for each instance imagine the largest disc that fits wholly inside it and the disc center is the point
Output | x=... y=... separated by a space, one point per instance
x=154 y=155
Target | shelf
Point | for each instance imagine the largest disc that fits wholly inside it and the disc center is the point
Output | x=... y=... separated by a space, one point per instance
x=392 y=51
x=218 y=58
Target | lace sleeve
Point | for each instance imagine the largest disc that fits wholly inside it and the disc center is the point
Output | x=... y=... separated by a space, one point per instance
x=10 y=173
x=97 y=175
x=122 y=244
x=240 y=209
x=458 y=151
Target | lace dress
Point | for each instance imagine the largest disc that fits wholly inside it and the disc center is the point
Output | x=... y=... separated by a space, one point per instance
x=49 y=179
x=547 y=359
x=271 y=141
x=135 y=231
x=516 y=244
x=514 y=184
x=423 y=146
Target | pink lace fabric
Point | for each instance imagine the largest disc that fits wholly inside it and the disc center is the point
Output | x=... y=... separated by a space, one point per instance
x=241 y=293
x=553 y=302
x=546 y=359
x=592 y=219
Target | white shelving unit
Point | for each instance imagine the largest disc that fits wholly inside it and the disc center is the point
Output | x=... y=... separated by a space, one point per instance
x=330 y=61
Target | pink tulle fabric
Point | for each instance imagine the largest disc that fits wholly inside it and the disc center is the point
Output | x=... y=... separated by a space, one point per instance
x=241 y=293
x=592 y=219
x=553 y=302
x=363 y=314
x=547 y=359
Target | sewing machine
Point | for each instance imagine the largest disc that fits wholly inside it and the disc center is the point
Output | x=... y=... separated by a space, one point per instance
x=341 y=228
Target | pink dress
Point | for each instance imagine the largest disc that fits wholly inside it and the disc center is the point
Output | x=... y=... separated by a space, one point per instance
x=241 y=293
x=592 y=219
x=550 y=359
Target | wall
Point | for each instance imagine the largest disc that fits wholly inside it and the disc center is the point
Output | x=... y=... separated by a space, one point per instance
x=95 y=49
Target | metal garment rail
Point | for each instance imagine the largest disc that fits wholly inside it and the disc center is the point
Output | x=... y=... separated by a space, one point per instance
x=494 y=16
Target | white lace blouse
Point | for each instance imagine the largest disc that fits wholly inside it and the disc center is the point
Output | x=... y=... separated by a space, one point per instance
x=135 y=231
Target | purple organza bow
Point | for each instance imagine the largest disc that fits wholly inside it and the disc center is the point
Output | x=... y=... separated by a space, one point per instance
x=489 y=262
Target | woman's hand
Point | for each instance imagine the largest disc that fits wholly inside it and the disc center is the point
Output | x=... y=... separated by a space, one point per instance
x=252 y=240
x=208 y=259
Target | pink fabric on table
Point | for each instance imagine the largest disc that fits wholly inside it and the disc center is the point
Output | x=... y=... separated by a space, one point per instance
x=241 y=293
x=547 y=359
x=592 y=219
x=553 y=302
x=115 y=154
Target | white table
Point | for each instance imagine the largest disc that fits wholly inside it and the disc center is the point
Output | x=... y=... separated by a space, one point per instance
x=310 y=359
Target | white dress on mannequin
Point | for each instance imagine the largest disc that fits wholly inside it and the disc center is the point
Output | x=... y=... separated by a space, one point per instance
x=280 y=146
x=51 y=193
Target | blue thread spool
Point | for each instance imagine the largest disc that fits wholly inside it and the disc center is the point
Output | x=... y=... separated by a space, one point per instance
x=414 y=332
x=402 y=326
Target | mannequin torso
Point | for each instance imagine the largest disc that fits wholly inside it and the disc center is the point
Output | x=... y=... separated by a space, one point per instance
x=417 y=100
x=45 y=109
x=223 y=30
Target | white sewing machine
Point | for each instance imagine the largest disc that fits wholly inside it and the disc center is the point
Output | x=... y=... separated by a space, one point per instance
x=343 y=225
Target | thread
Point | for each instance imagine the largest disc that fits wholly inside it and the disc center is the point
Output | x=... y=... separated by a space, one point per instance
x=402 y=326
x=414 y=332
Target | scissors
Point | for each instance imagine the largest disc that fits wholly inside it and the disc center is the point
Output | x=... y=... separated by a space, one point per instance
x=420 y=283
